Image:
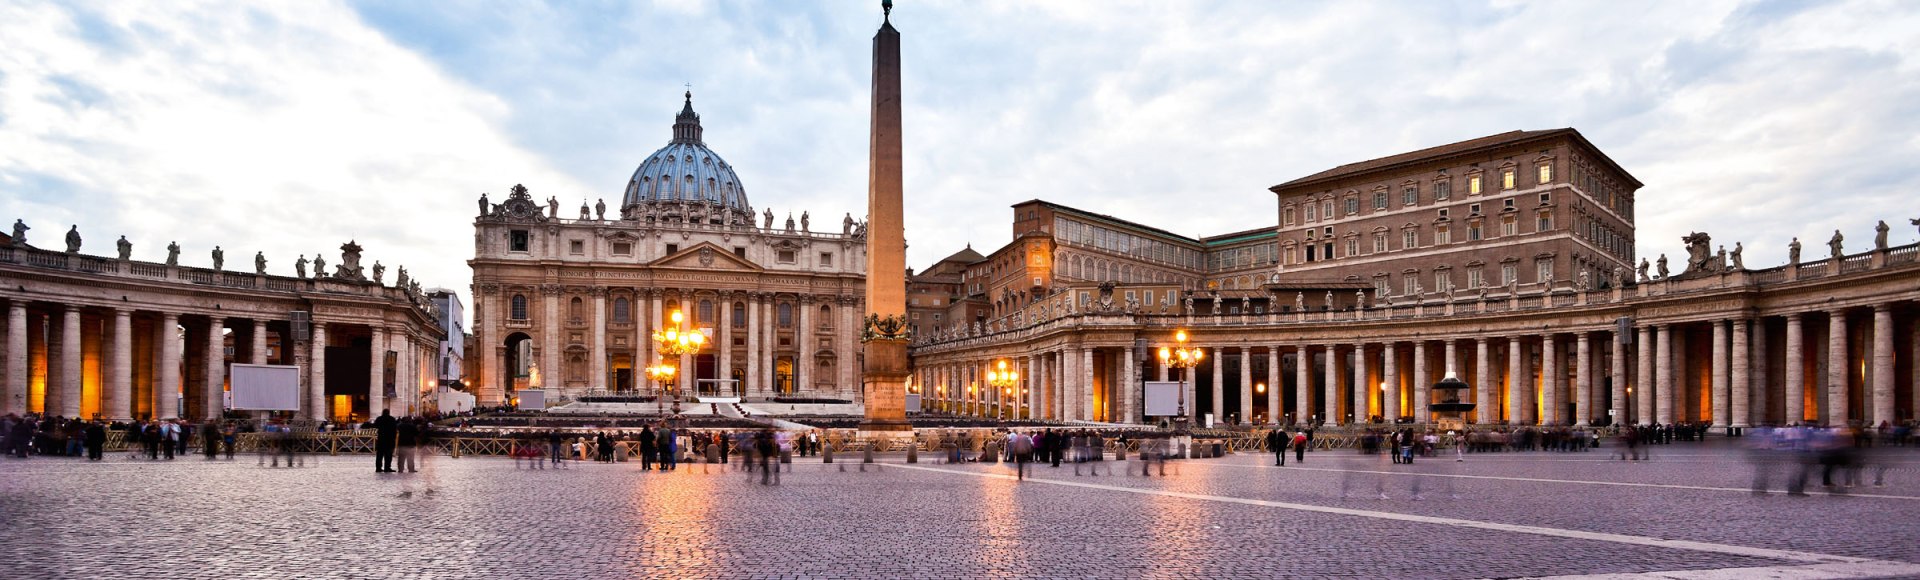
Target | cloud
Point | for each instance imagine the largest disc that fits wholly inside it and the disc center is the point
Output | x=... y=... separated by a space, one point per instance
x=295 y=127
x=287 y=129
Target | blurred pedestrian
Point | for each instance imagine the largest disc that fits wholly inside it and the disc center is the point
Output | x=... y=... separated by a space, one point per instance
x=386 y=432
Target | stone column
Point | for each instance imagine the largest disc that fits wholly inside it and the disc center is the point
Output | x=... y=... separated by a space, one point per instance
x=486 y=321
x=1129 y=387
x=598 y=364
x=1303 y=384
x=1088 y=410
x=803 y=347
x=1741 y=376
x=317 y=385
x=257 y=351
x=551 y=377
x=1275 y=385
x=849 y=353
x=1390 y=378
x=376 y=391
x=1518 y=375
x=1551 y=380
x=1484 y=387
x=1760 y=379
x=1795 y=383
x=69 y=400
x=119 y=403
x=14 y=398
x=215 y=392
x=1882 y=400
x=1721 y=417
x=1219 y=384
x=1362 y=392
x=1583 y=379
x=754 y=385
x=1617 y=361
x=1663 y=375
x=1332 y=394
x=1031 y=378
x=723 y=337
x=1837 y=362
x=1643 y=379
x=1422 y=382
x=1069 y=385
x=1246 y=385
x=166 y=401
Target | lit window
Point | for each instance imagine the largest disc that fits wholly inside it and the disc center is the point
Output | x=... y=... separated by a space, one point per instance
x=1546 y=173
x=1473 y=185
x=1506 y=179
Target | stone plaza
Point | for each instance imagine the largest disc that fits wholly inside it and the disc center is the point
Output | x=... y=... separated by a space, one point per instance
x=1688 y=512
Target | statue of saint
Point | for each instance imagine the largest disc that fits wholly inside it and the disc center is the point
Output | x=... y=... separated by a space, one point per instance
x=553 y=207
x=586 y=212
x=1359 y=299
x=73 y=239
x=483 y=204
x=378 y=271
x=1216 y=306
x=1720 y=258
x=1793 y=251
x=1738 y=264
x=533 y=375
x=846 y=225
x=1581 y=282
x=1643 y=270
x=769 y=217
x=804 y=221
x=789 y=223
x=1300 y=301
x=1329 y=300
x=1834 y=244
x=126 y=248
x=1880 y=236
x=600 y=209
x=260 y=263
x=1661 y=266
x=300 y=266
x=1188 y=303
x=319 y=267
x=219 y=258
x=402 y=279
x=20 y=231
x=173 y=253
x=1246 y=305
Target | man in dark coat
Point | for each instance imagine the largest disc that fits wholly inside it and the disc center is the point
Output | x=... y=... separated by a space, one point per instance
x=1277 y=441
x=96 y=440
x=646 y=448
x=386 y=433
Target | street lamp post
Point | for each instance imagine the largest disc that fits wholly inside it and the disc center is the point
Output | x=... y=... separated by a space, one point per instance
x=677 y=342
x=660 y=373
x=1003 y=378
x=1180 y=356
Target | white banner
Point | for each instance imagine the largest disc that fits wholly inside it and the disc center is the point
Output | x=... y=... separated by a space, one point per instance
x=265 y=388
x=1162 y=398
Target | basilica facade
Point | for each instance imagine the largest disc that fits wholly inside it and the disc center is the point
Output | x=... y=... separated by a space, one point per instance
x=571 y=305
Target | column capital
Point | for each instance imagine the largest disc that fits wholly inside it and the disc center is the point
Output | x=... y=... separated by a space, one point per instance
x=598 y=291
x=487 y=289
x=551 y=289
x=1882 y=308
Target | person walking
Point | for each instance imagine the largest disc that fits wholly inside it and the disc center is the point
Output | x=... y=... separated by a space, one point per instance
x=764 y=447
x=646 y=448
x=210 y=440
x=556 y=451
x=1277 y=441
x=1300 y=441
x=96 y=441
x=386 y=432
x=170 y=438
x=1021 y=447
x=407 y=441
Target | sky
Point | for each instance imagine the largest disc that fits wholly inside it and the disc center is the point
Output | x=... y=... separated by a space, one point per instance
x=291 y=128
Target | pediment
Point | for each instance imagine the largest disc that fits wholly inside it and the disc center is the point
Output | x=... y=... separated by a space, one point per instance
x=706 y=256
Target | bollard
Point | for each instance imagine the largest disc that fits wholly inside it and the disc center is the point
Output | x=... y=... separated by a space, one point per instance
x=826 y=454
x=913 y=453
x=333 y=446
x=786 y=456
x=866 y=456
x=456 y=448
x=1120 y=453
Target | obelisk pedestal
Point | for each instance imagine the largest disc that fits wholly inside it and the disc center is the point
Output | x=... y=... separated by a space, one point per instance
x=886 y=333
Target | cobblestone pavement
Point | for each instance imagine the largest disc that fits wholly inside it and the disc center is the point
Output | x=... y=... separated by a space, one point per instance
x=1493 y=515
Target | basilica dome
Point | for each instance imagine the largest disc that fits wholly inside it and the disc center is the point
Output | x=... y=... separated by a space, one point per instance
x=686 y=181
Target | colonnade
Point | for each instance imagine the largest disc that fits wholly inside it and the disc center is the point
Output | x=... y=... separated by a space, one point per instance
x=1069 y=383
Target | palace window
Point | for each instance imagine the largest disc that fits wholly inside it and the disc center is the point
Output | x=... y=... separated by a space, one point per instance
x=1379 y=242
x=705 y=312
x=1286 y=216
x=1473 y=231
x=1508 y=227
x=1475 y=279
x=623 y=248
x=1326 y=208
x=1442 y=235
x=1409 y=283
x=739 y=315
x=1380 y=199
x=1546 y=199
x=622 y=310
x=1473 y=185
x=1353 y=205
x=1353 y=245
x=1409 y=239
x=1310 y=253
x=785 y=315
x=1545 y=222
x=1546 y=173
x=1508 y=273
x=1543 y=269
x=1506 y=178
x=517 y=241
x=1442 y=190
x=1442 y=279
x=1410 y=195
x=518 y=310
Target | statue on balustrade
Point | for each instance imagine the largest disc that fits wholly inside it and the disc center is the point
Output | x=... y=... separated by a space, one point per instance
x=1793 y=251
x=1834 y=244
x=1738 y=264
x=1661 y=266
x=1300 y=301
x=846 y=225
x=219 y=258
x=804 y=222
x=20 y=228
x=553 y=207
x=1880 y=236
x=260 y=263
x=126 y=248
x=1580 y=282
x=769 y=219
x=1188 y=302
x=173 y=253
x=379 y=271
x=600 y=209
x=1246 y=305
x=300 y=267
x=1643 y=270
x=483 y=204
x=1720 y=259
x=402 y=279
x=319 y=267
x=73 y=239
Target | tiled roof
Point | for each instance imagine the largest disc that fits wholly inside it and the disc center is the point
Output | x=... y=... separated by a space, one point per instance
x=1487 y=142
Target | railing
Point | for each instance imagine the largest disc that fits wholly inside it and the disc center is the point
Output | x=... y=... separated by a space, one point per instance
x=1813 y=270
x=197 y=276
x=149 y=270
x=1860 y=263
x=236 y=280
x=47 y=260
x=1903 y=254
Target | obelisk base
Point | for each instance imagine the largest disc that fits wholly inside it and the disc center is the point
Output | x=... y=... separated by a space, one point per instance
x=885 y=384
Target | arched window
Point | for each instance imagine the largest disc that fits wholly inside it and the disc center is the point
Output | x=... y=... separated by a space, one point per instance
x=577 y=309
x=786 y=315
x=826 y=316
x=739 y=315
x=622 y=310
x=706 y=312
x=519 y=307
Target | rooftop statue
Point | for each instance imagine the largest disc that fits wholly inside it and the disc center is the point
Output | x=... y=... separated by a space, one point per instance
x=769 y=216
x=219 y=258
x=319 y=267
x=379 y=271
x=260 y=263
x=126 y=248
x=173 y=253
x=1661 y=265
x=600 y=209
x=300 y=267
x=1738 y=264
x=73 y=240
x=1880 y=236
x=483 y=204
x=804 y=220
x=1793 y=251
x=20 y=231
x=1834 y=244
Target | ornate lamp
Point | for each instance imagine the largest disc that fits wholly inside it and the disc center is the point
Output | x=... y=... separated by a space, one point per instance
x=1004 y=378
x=1180 y=356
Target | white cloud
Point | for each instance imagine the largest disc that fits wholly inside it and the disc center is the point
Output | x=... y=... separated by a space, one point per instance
x=288 y=130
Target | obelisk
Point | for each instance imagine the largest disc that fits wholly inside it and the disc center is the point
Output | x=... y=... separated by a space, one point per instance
x=886 y=332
